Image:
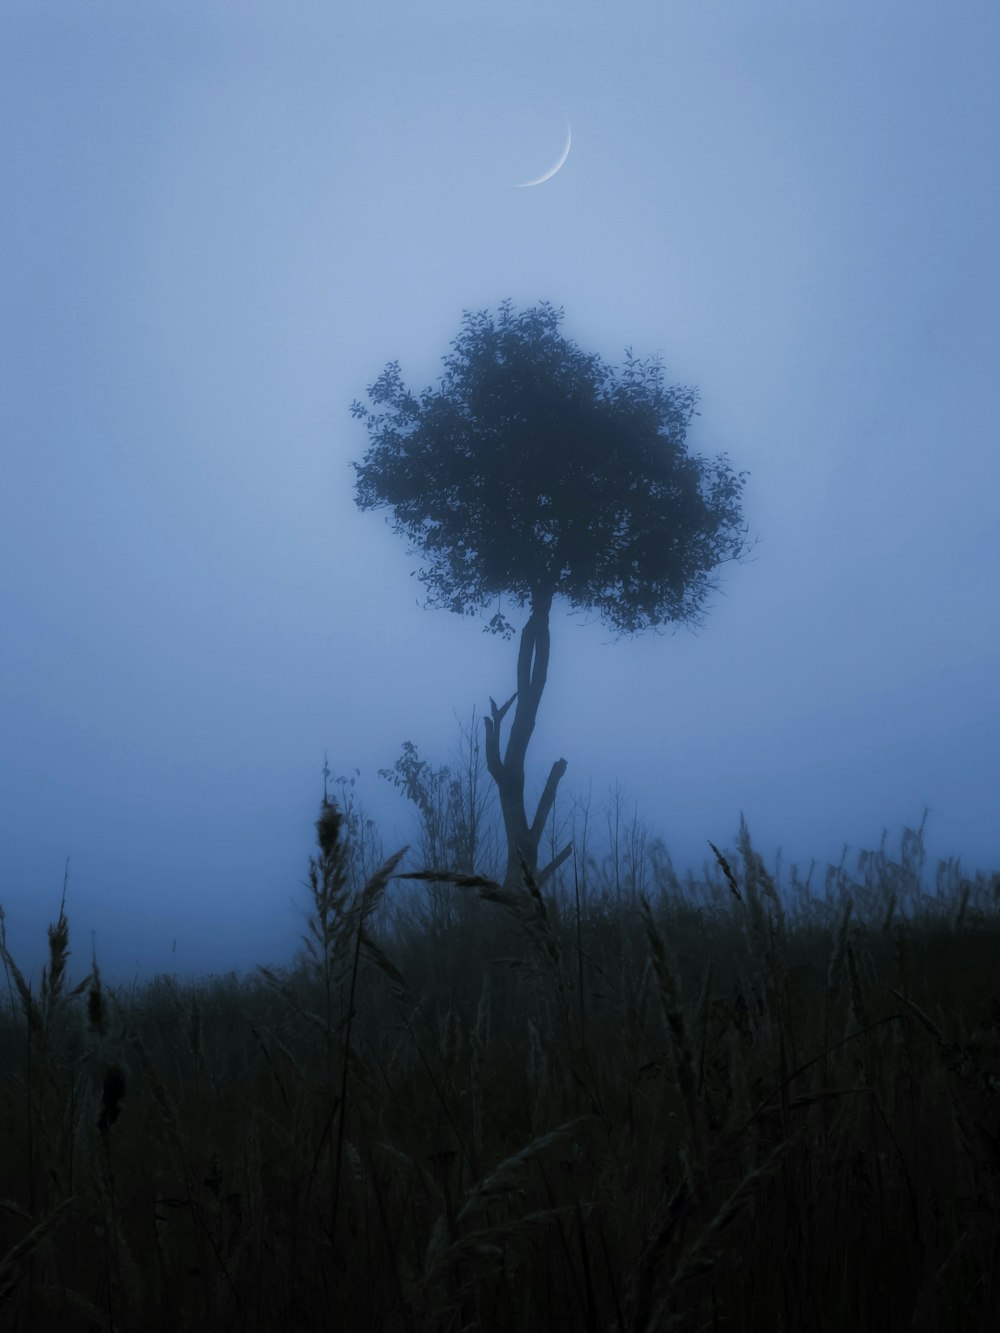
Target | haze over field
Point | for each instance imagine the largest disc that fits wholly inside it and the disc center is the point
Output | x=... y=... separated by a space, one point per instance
x=220 y=225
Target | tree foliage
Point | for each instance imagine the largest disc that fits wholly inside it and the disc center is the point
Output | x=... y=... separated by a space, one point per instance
x=536 y=470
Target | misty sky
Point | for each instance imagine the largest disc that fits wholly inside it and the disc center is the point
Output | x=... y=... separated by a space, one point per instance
x=220 y=222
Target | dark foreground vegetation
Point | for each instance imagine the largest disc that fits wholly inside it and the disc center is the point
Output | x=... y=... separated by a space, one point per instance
x=613 y=1107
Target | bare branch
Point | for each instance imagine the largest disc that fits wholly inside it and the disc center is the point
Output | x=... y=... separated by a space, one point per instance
x=553 y=866
x=547 y=798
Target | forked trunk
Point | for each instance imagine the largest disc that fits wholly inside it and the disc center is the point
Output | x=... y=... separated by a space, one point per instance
x=508 y=771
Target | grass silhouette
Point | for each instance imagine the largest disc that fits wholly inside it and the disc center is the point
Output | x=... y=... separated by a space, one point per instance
x=619 y=1104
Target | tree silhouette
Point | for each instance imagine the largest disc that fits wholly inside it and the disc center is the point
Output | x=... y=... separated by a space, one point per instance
x=534 y=471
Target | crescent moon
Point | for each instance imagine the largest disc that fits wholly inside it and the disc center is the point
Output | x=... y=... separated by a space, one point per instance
x=523 y=185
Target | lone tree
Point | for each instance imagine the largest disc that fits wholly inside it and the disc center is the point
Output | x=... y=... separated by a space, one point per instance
x=535 y=470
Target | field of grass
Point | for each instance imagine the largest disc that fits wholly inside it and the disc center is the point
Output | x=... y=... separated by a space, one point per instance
x=608 y=1105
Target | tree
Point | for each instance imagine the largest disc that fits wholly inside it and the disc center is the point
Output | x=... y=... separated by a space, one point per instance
x=456 y=825
x=452 y=808
x=536 y=471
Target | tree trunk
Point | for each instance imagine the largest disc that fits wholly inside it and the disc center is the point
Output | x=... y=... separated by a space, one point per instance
x=508 y=771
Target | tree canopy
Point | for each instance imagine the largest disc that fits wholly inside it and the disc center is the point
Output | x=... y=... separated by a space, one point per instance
x=536 y=470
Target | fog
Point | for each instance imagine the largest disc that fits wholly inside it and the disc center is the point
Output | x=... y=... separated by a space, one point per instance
x=221 y=222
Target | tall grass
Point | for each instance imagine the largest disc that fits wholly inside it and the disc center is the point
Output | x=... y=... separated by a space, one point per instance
x=624 y=1104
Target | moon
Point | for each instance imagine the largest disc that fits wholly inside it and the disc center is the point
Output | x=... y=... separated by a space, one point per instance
x=523 y=185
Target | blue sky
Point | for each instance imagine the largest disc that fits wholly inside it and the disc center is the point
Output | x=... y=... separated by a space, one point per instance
x=221 y=222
